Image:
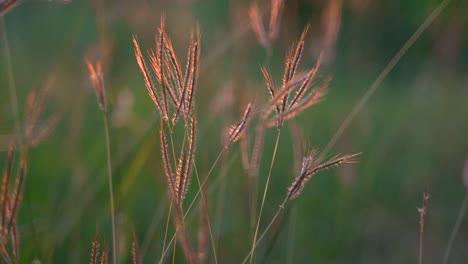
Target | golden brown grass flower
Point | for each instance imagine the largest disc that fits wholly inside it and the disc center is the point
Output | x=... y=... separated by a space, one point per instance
x=7 y=5
x=95 y=73
x=277 y=7
x=135 y=254
x=179 y=181
x=258 y=27
x=311 y=165
x=304 y=96
x=165 y=66
x=35 y=104
x=238 y=130
x=94 y=251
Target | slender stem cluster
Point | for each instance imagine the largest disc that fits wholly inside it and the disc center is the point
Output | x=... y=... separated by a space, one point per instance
x=174 y=97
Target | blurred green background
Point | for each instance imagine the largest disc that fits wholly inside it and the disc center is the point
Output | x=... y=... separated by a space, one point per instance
x=412 y=132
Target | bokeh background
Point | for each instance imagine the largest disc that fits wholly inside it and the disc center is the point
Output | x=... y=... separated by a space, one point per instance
x=412 y=131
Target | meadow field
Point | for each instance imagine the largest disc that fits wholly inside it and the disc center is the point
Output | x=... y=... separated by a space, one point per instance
x=205 y=131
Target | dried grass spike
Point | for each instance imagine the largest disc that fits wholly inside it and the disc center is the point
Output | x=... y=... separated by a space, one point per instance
x=258 y=27
x=35 y=107
x=6 y=183
x=299 y=181
x=30 y=114
x=105 y=256
x=160 y=49
x=194 y=72
x=312 y=98
x=158 y=65
x=277 y=7
x=173 y=63
x=94 y=251
x=270 y=85
x=7 y=5
x=15 y=240
x=148 y=81
x=45 y=131
x=17 y=192
x=277 y=99
x=311 y=167
x=292 y=61
x=306 y=84
x=237 y=131
x=95 y=73
x=190 y=159
x=135 y=254
x=179 y=181
x=166 y=161
x=296 y=58
x=161 y=75
x=187 y=79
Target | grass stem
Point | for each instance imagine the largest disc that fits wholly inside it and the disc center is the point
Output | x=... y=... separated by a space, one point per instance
x=280 y=208
x=11 y=79
x=456 y=228
x=205 y=205
x=111 y=192
x=264 y=196
x=383 y=75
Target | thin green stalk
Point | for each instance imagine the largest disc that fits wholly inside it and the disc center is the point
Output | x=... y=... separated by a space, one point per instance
x=422 y=213
x=220 y=205
x=291 y=236
x=456 y=227
x=193 y=201
x=171 y=196
x=393 y=62
x=167 y=224
x=111 y=192
x=174 y=249
x=253 y=191
x=151 y=231
x=188 y=251
x=191 y=205
x=11 y=79
x=264 y=196
x=207 y=216
x=280 y=208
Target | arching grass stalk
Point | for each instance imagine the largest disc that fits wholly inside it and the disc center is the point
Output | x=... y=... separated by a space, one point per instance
x=280 y=208
x=205 y=205
x=287 y=105
x=170 y=195
x=381 y=77
x=422 y=218
x=192 y=203
x=189 y=208
x=456 y=227
x=167 y=225
x=311 y=165
x=264 y=195
x=236 y=132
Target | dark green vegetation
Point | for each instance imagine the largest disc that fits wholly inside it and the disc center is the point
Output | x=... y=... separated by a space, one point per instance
x=412 y=132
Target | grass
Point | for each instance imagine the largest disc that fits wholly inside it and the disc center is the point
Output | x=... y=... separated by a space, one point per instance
x=188 y=133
